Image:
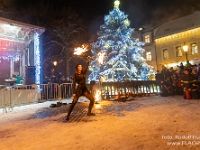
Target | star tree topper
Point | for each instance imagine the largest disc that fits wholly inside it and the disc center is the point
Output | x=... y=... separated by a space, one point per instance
x=116 y=4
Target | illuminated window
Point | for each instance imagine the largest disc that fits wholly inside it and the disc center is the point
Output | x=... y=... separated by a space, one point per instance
x=179 y=51
x=148 y=56
x=165 y=54
x=147 y=38
x=194 y=49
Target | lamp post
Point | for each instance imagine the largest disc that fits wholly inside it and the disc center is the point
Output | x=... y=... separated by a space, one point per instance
x=54 y=70
x=55 y=63
x=185 y=49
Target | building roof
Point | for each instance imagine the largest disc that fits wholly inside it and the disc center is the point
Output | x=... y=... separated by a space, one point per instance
x=16 y=36
x=179 y=25
x=20 y=32
x=38 y=29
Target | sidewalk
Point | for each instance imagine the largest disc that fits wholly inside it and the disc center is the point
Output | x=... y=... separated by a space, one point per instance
x=147 y=123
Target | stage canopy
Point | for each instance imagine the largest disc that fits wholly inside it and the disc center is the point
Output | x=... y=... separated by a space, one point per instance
x=15 y=40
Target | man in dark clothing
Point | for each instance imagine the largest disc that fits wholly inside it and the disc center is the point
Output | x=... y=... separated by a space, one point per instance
x=80 y=88
x=167 y=87
x=188 y=82
x=165 y=72
x=159 y=78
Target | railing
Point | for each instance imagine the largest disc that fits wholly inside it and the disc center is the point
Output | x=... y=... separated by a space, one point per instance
x=18 y=95
x=55 y=91
x=112 y=89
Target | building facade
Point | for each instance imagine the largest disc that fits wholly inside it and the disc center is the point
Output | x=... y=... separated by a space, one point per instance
x=164 y=44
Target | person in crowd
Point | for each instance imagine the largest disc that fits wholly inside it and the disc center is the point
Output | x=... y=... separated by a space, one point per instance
x=174 y=86
x=179 y=89
x=194 y=72
x=171 y=72
x=181 y=69
x=198 y=72
x=188 y=81
x=79 y=88
x=159 y=78
x=60 y=78
x=167 y=87
x=181 y=66
x=188 y=65
x=164 y=72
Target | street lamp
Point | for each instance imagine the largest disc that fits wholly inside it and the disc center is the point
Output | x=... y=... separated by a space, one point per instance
x=185 y=49
x=55 y=63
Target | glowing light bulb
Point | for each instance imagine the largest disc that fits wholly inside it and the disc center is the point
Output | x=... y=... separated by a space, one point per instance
x=116 y=4
x=101 y=57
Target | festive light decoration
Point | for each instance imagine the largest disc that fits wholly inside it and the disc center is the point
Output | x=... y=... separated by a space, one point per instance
x=119 y=55
x=116 y=4
x=101 y=57
x=37 y=57
x=179 y=35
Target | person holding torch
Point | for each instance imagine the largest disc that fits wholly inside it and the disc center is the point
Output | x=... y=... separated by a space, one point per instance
x=80 y=89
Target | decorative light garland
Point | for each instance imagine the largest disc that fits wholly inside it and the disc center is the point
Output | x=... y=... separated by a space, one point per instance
x=37 y=58
x=8 y=57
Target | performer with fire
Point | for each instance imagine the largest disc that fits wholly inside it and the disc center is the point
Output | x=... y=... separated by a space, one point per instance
x=79 y=88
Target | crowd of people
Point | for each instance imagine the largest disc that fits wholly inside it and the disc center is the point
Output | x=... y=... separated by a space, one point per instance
x=185 y=80
x=59 y=79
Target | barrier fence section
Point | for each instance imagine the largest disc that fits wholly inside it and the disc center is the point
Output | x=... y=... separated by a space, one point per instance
x=18 y=95
x=55 y=91
x=134 y=88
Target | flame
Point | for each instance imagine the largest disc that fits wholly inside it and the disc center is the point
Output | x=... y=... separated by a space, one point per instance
x=98 y=106
x=98 y=95
x=101 y=57
x=80 y=50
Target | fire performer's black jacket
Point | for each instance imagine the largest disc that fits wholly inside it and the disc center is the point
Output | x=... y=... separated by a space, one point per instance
x=188 y=81
x=79 y=82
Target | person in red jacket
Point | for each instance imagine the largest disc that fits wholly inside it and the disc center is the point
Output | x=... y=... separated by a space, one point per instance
x=80 y=88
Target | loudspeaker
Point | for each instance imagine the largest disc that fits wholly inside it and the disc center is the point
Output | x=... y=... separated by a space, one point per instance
x=30 y=75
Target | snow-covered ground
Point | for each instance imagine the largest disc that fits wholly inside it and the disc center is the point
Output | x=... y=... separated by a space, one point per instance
x=144 y=123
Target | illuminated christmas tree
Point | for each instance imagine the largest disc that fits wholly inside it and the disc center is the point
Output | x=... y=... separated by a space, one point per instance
x=116 y=55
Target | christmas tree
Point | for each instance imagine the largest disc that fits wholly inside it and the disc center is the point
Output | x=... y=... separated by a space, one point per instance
x=116 y=55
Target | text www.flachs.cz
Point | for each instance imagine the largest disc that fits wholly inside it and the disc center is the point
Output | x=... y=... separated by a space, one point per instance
x=183 y=143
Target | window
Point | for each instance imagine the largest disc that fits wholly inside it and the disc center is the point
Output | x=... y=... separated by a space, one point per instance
x=165 y=54
x=147 y=38
x=148 y=56
x=179 y=51
x=194 y=49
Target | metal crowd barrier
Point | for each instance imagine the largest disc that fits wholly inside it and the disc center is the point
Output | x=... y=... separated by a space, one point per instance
x=55 y=91
x=18 y=95
x=112 y=89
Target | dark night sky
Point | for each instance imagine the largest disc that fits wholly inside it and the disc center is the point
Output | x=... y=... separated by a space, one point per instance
x=140 y=11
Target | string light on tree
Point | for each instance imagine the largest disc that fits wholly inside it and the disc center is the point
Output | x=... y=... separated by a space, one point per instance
x=101 y=58
x=119 y=55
